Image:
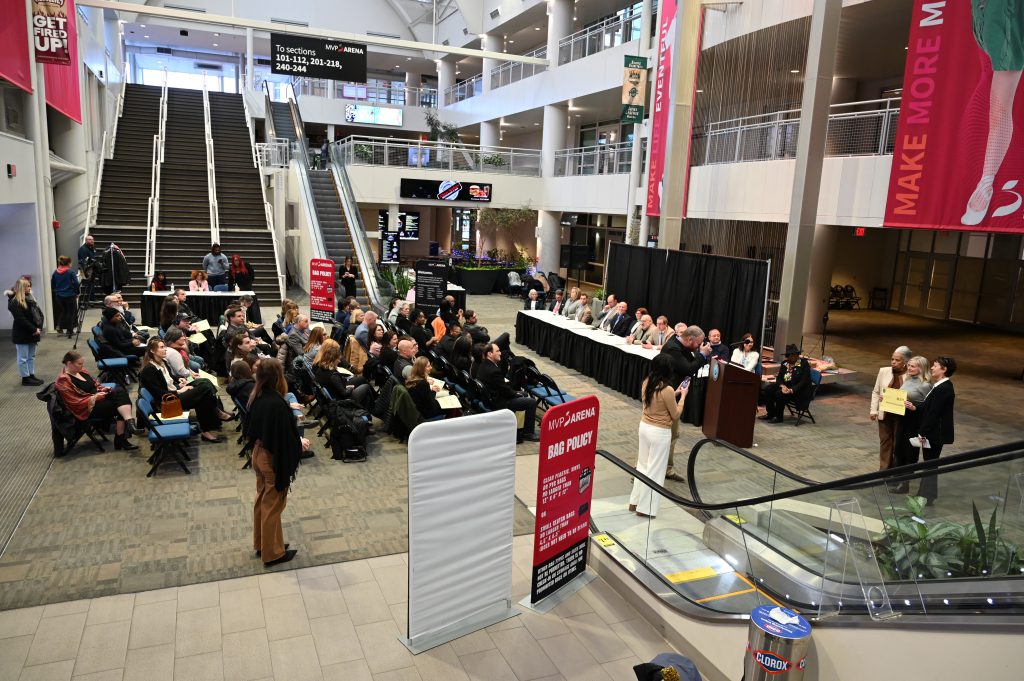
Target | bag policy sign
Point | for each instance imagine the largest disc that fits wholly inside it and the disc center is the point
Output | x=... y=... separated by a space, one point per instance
x=958 y=163
x=634 y=90
x=51 y=31
x=321 y=289
x=565 y=477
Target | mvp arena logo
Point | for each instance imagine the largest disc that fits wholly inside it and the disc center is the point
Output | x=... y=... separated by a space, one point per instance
x=772 y=662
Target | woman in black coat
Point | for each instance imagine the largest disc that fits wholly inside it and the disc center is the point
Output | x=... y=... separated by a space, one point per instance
x=26 y=330
x=348 y=274
x=420 y=390
x=935 y=427
x=325 y=371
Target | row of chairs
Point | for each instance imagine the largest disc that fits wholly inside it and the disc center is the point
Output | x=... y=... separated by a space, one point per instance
x=843 y=297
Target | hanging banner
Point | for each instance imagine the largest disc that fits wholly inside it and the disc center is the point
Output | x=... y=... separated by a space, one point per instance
x=634 y=90
x=321 y=289
x=957 y=163
x=661 y=104
x=565 y=483
x=15 y=59
x=52 y=30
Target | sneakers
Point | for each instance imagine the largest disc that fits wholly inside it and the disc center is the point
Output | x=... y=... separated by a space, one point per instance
x=31 y=380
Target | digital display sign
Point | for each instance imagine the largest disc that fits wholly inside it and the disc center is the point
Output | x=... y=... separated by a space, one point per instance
x=408 y=224
x=390 y=248
x=292 y=55
x=369 y=114
x=445 y=190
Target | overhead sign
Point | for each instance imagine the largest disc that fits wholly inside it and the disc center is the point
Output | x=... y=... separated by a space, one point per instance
x=565 y=484
x=294 y=55
x=958 y=163
x=321 y=289
x=431 y=284
x=445 y=190
x=369 y=114
x=634 y=89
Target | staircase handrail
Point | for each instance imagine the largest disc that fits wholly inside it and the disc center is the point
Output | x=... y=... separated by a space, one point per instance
x=268 y=210
x=94 y=198
x=357 y=229
x=211 y=172
x=153 y=208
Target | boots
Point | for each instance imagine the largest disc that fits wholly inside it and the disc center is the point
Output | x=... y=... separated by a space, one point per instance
x=31 y=380
x=122 y=442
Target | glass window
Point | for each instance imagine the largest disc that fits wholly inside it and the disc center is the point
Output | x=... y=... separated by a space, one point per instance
x=973 y=245
x=921 y=240
x=946 y=242
x=1004 y=247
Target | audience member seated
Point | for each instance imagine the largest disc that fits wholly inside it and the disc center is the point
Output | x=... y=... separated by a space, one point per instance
x=236 y=326
x=199 y=281
x=325 y=370
x=448 y=312
x=462 y=353
x=168 y=313
x=199 y=395
x=241 y=347
x=277 y=328
x=573 y=304
x=745 y=354
x=317 y=335
x=388 y=350
x=558 y=304
x=177 y=353
x=474 y=329
x=641 y=334
x=407 y=349
x=403 y=321
x=503 y=396
x=610 y=305
x=447 y=344
x=365 y=330
x=240 y=382
x=718 y=348
x=437 y=324
x=396 y=306
x=423 y=394
x=245 y=302
x=791 y=384
x=533 y=301
x=159 y=282
x=86 y=399
x=660 y=334
x=117 y=301
x=377 y=341
x=354 y=320
x=200 y=354
x=583 y=312
x=424 y=339
x=180 y=295
x=295 y=341
x=117 y=335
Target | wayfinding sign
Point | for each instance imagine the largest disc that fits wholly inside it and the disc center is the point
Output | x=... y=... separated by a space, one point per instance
x=295 y=55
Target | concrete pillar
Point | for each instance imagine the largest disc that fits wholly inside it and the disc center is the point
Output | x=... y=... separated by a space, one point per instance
x=559 y=26
x=491 y=43
x=490 y=134
x=413 y=83
x=445 y=79
x=37 y=131
x=549 y=231
x=810 y=153
x=330 y=132
x=250 y=75
x=823 y=253
x=392 y=217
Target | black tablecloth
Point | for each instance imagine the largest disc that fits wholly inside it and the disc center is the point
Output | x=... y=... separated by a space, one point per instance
x=209 y=306
x=607 y=364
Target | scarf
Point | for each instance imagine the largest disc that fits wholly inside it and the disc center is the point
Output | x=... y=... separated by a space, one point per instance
x=897 y=377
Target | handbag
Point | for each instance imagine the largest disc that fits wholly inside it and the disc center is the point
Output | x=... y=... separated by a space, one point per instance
x=170 y=407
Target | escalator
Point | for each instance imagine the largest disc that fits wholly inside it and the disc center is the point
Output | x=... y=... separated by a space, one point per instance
x=855 y=551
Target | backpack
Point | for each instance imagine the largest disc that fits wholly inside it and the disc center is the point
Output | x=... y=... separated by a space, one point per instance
x=349 y=427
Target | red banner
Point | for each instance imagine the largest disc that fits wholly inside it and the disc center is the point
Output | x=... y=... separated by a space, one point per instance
x=565 y=483
x=321 y=289
x=959 y=156
x=15 y=60
x=52 y=28
x=661 y=105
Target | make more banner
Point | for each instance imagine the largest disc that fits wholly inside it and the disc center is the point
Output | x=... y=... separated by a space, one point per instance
x=958 y=163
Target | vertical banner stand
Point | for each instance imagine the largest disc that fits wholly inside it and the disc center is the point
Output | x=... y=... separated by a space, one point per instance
x=565 y=485
x=321 y=290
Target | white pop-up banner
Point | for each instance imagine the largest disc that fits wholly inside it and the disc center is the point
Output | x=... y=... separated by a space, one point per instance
x=461 y=499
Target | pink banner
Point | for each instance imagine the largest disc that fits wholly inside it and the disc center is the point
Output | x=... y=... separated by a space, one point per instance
x=62 y=87
x=958 y=162
x=15 y=63
x=661 y=104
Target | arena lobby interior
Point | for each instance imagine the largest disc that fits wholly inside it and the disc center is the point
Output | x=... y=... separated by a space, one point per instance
x=107 y=574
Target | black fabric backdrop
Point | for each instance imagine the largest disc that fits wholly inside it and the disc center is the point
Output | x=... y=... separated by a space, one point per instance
x=711 y=291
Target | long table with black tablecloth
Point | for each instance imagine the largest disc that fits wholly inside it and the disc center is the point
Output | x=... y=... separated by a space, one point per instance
x=208 y=305
x=599 y=355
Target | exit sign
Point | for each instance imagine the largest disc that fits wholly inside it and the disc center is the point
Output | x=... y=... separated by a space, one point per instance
x=859 y=231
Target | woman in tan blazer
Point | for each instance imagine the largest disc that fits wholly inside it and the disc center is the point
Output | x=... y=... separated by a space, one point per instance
x=888 y=424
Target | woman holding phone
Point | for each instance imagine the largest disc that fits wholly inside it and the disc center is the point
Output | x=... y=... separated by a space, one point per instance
x=662 y=407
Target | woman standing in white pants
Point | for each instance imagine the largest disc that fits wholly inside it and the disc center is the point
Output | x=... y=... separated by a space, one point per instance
x=661 y=412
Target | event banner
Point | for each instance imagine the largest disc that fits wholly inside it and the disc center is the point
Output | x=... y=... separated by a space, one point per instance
x=634 y=89
x=51 y=31
x=565 y=483
x=15 y=60
x=661 y=104
x=292 y=55
x=321 y=289
x=957 y=163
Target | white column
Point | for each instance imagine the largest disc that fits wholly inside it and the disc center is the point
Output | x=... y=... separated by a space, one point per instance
x=643 y=50
x=491 y=43
x=413 y=83
x=559 y=26
x=549 y=231
x=392 y=218
x=489 y=134
x=445 y=79
x=250 y=76
x=330 y=132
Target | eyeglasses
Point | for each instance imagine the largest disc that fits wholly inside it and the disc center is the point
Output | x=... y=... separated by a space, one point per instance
x=748 y=341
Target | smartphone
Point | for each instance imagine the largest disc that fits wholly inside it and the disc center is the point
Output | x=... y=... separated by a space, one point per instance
x=685 y=384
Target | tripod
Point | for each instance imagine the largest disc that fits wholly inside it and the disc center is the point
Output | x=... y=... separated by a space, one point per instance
x=84 y=299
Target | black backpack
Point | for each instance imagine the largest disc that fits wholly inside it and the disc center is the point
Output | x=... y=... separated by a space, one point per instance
x=349 y=428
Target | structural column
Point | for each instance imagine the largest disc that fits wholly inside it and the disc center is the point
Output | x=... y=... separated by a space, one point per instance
x=490 y=43
x=445 y=79
x=819 y=280
x=559 y=26
x=413 y=83
x=490 y=134
x=810 y=153
x=549 y=231
x=250 y=74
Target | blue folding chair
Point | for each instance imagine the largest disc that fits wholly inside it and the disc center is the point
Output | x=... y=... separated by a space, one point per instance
x=166 y=438
x=115 y=367
x=548 y=392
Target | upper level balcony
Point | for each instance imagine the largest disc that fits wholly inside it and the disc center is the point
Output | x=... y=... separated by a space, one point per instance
x=601 y=159
x=397 y=95
x=447 y=156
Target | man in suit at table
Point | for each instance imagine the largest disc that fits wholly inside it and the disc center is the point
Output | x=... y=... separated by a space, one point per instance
x=642 y=333
x=533 y=301
x=660 y=334
x=583 y=312
x=618 y=322
x=601 y=313
x=558 y=304
x=502 y=394
x=936 y=421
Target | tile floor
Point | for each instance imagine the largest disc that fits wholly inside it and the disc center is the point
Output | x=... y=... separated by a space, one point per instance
x=339 y=621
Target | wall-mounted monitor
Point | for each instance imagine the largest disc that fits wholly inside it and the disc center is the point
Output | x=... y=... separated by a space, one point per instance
x=368 y=114
x=408 y=224
x=445 y=190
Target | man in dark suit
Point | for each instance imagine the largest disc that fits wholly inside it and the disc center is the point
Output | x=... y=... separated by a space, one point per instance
x=792 y=384
x=533 y=301
x=936 y=421
x=558 y=304
x=502 y=394
x=688 y=353
x=619 y=322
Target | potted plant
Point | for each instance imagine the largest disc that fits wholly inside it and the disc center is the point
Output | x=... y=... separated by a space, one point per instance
x=364 y=153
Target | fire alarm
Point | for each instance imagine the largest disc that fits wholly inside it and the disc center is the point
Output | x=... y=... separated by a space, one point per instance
x=56 y=224
x=12 y=170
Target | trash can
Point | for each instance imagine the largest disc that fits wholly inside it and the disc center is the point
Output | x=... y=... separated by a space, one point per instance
x=777 y=643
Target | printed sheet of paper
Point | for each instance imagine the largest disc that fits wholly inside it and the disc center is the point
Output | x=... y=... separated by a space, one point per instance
x=197 y=338
x=202 y=325
x=894 y=401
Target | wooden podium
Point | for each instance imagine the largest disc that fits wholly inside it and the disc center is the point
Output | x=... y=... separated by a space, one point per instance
x=731 y=403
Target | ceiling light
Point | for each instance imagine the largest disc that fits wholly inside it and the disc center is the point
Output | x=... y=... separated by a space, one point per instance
x=215 y=44
x=145 y=36
x=578 y=115
x=216 y=35
x=408 y=58
x=699 y=91
x=511 y=41
x=397 y=66
x=144 y=26
x=794 y=70
x=536 y=28
x=536 y=123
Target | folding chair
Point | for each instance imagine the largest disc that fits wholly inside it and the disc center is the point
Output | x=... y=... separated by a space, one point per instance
x=548 y=392
x=166 y=438
x=113 y=367
x=805 y=411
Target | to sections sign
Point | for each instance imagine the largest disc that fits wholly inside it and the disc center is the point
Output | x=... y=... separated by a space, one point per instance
x=568 y=444
x=295 y=55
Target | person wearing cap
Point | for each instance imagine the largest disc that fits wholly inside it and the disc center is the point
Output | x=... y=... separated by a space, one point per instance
x=791 y=385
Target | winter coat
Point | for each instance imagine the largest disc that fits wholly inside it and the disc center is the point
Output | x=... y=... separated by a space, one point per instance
x=64 y=282
x=26 y=320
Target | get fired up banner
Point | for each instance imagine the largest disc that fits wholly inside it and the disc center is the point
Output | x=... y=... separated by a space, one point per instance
x=51 y=31
x=959 y=154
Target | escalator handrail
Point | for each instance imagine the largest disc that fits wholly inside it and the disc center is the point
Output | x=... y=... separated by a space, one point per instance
x=691 y=464
x=268 y=115
x=957 y=462
x=300 y=127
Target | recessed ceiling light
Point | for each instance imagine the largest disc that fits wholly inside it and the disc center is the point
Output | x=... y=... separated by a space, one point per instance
x=408 y=58
x=511 y=41
x=536 y=123
x=536 y=28
x=578 y=115
x=142 y=26
x=794 y=70
x=215 y=44
x=145 y=36
x=217 y=35
x=397 y=66
x=699 y=91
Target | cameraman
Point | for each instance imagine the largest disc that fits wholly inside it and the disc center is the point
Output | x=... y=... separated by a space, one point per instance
x=86 y=254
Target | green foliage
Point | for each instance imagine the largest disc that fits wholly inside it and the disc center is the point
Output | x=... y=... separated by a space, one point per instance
x=364 y=153
x=494 y=160
x=914 y=548
x=599 y=294
x=398 y=279
x=491 y=219
x=439 y=130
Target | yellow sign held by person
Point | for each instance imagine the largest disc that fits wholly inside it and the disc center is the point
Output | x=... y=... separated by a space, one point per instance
x=894 y=401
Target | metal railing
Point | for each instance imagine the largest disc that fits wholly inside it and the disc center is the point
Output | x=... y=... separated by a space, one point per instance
x=211 y=172
x=268 y=210
x=602 y=159
x=398 y=95
x=611 y=32
x=153 y=208
x=273 y=154
x=514 y=71
x=448 y=156
x=106 y=151
x=464 y=90
x=854 y=129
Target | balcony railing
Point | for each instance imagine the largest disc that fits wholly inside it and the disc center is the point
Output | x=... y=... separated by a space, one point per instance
x=609 y=33
x=602 y=159
x=854 y=129
x=373 y=94
x=513 y=71
x=387 y=151
x=464 y=90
